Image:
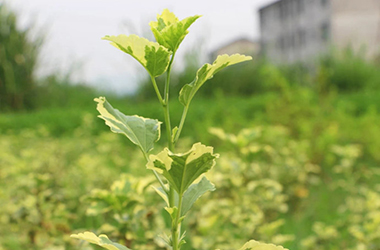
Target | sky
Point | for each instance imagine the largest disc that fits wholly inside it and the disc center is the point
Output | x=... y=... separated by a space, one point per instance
x=73 y=30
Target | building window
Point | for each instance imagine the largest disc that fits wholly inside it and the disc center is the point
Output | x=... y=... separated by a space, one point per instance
x=325 y=32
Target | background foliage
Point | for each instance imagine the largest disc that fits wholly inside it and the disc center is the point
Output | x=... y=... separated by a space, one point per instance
x=299 y=159
x=18 y=61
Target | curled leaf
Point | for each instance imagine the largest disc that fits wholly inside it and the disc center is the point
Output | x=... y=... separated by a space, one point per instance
x=141 y=131
x=101 y=240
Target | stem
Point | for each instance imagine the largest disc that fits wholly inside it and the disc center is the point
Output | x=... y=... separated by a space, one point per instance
x=182 y=122
x=168 y=126
x=166 y=105
x=176 y=226
x=156 y=174
x=157 y=90
x=168 y=79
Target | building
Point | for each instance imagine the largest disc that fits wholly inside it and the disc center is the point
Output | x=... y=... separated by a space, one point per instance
x=242 y=46
x=299 y=30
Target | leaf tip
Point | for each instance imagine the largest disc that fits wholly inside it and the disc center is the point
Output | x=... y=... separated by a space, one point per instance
x=100 y=99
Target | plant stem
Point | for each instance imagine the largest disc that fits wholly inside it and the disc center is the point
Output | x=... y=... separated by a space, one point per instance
x=176 y=226
x=167 y=85
x=156 y=174
x=157 y=90
x=166 y=105
x=182 y=122
x=168 y=127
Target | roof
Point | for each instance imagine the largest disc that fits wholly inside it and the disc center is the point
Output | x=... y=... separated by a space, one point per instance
x=269 y=5
x=245 y=39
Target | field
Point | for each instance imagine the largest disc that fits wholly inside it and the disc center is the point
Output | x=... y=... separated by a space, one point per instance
x=296 y=168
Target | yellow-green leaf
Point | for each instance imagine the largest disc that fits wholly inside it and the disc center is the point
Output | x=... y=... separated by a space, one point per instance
x=152 y=56
x=255 y=245
x=195 y=191
x=169 y=31
x=141 y=131
x=206 y=72
x=164 y=19
x=101 y=240
x=181 y=170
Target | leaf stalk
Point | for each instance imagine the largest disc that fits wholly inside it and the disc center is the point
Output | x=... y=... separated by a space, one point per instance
x=157 y=90
x=181 y=123
x=156 y=174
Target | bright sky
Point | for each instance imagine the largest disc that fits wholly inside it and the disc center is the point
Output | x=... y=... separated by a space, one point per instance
x=74 y=29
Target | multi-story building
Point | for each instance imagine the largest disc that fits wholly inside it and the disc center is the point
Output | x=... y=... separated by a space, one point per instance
x=299 y=30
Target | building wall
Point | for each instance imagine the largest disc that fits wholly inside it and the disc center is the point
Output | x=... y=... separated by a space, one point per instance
x=299 y=30
x=356 y=24
x=294 y=30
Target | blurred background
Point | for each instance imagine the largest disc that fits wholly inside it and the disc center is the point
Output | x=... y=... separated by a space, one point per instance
x=297 y=128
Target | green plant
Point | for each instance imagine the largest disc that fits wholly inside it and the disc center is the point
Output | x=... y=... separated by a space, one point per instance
x=18 y=61
x=347 y=71
x=179 y=174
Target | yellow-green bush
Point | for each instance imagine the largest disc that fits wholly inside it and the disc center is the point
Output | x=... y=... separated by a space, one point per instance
x=42 y=180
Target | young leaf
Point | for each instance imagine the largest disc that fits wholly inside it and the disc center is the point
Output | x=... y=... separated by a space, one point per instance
x=173 y=211
x=152 y=56
x=206 y=72
x=255 y=245
x=174 y=133
x=181 y=170
x=195 y=191
x=169 y=31
x=141 y=131
x=102 y=241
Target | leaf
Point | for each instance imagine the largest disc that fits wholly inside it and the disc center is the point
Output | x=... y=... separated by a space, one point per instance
x=174 y=133
x=206 y=72
x=173 y=211
x=160 y=191
x=194 y=192
x=255 y=245
x=152 y=56
x=102 y=241
x=181 y=170
x=141 y=131
x=169 y=31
